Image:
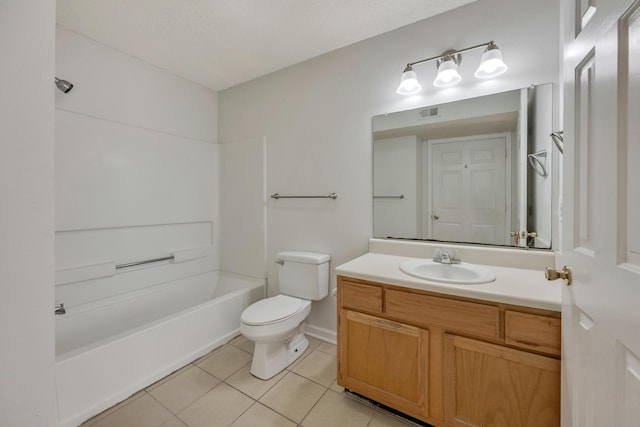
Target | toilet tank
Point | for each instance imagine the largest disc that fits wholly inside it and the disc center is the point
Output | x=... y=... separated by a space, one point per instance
x=303 y=274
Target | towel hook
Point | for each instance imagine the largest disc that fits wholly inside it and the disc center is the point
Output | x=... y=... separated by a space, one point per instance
x=536 y=164
x=558 y=140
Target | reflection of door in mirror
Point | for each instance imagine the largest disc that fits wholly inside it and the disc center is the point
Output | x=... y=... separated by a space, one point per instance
x=411 y=201
x=468 y=197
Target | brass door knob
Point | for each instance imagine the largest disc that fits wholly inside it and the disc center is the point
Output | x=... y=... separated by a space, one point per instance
x=523 y=234
x=553 y=274
x=436 y=217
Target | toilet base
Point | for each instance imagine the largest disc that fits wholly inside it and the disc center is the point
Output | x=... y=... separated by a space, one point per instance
x=270 y=359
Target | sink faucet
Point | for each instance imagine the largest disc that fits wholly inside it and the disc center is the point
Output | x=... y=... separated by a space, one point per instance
x=443 y=257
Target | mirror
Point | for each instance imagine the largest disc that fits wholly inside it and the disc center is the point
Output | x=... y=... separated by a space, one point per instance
x=470 y=171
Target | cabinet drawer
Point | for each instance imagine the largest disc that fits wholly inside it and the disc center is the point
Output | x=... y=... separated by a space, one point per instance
x=531 y=331
x=361 y=297
x=423 y=310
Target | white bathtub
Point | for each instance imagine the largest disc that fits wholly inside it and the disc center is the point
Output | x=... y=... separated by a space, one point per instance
x=107 y=350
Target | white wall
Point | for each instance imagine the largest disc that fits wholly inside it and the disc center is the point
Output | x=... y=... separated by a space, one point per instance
x=540 y=214
x=244 y=207
x=317 y=118
x=26 y=214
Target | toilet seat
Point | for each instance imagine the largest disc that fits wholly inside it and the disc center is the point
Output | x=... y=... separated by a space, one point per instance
x=271 y=310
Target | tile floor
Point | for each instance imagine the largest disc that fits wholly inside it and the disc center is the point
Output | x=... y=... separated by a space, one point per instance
x=218 y=390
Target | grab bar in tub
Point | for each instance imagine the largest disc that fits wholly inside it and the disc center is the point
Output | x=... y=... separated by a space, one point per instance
x=147 y=261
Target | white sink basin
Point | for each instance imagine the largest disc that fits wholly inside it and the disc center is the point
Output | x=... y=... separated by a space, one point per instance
x=462 y=274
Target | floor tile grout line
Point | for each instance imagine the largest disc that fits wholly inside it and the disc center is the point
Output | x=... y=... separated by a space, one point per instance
x=251 y=397
x=279 y=413
x=113 y=409
x=199 y=398
x=162 y=404
x=243 y=412
x=313 y=381
x=305 y=415
x=195 y=364
x=314 y=405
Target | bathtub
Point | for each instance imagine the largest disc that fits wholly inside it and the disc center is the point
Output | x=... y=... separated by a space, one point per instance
x=108 y=350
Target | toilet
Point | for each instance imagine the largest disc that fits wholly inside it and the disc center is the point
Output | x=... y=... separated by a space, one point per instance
x=276 y=324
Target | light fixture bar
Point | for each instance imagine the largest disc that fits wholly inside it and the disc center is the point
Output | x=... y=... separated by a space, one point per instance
x=450 y=53
x=491 y=65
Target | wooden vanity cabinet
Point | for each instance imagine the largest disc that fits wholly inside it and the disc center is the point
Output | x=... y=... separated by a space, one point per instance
x=449 y=361
x=386 y=361
x=491 y=385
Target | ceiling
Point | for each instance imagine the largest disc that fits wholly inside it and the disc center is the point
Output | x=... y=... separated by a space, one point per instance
x=221 y=43
x=481 y=125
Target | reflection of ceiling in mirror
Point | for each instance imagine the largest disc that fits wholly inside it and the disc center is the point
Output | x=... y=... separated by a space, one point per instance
x=495 y=123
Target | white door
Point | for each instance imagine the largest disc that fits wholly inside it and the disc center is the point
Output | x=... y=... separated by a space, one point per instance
x=601 y=213
x=469 y=189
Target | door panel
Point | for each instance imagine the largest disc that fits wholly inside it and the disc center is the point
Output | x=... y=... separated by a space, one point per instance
x=600 y=213
x=629 y=390
x=585 y=75
x=468 y=191
x=629 y=173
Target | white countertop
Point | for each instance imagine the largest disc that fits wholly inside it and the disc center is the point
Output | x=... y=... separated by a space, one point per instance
x=517 y=286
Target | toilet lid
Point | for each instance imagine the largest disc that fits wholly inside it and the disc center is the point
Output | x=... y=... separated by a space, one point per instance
x=270 y=310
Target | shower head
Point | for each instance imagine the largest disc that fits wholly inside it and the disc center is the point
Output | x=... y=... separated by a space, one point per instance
x=63 y=85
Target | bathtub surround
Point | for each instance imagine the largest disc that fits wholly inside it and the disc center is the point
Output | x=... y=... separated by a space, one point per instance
x=316 y=116
x=137 y=178
x=135 y=145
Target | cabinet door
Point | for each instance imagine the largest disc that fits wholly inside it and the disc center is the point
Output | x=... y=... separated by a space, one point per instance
x=490 y=385
x=385 y=361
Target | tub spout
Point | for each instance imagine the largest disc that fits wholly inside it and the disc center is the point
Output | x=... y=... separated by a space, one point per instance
x=60 y=309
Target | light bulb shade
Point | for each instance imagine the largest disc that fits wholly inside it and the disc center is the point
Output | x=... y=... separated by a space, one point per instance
x=447 y=73
x=491 y=64
x=409 y=83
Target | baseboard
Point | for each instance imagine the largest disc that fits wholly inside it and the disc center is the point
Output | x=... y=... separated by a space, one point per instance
x=323 y=334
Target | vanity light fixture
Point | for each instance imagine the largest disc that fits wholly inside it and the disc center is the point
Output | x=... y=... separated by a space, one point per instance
x=491 y=65
x=448 y=70
x=409 y=82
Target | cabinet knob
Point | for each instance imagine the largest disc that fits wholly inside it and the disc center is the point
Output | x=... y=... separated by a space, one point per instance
x=435 y=217
x=553 y=274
